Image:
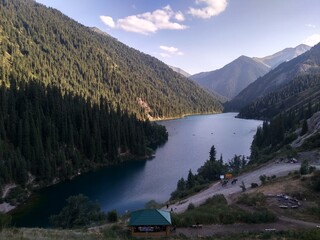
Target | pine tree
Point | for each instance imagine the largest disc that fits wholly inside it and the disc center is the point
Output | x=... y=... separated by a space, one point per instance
x=212 y=154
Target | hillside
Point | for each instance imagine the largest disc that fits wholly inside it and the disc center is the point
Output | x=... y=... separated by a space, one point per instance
x=179 y=70
x=46 y=137
x=43 y=45
x=232 y=78
x=305 y=64
x=300 y=91
x=237 y=75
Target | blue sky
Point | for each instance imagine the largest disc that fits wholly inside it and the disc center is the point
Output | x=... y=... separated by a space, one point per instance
x=200 y=35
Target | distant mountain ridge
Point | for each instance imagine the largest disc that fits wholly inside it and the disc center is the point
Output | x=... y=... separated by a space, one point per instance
x=294 y=80
x=232 y=78
x=181 y=71
x=237 y=75
x=285 y=55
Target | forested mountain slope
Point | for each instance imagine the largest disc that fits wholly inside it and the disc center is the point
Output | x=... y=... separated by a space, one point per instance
x=47 y=136
x=237 y=75
x=41 y=44
x=232 y=78
x=300 y=91
x=305 y=64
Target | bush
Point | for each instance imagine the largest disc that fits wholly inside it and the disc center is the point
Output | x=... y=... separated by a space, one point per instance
x=112 y=216
x=263 y=179
x=217 y=211
x=191 y=206
x=304 y=169
x=80 y=211
x=254 y=185
x=256 y=200
x=17 y=195
x=5 y=220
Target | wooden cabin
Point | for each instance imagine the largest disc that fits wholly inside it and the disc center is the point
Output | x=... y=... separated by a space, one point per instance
x=150 y=223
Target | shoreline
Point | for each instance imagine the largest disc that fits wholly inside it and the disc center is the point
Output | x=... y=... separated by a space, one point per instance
x=7 y=207
x=182 y=116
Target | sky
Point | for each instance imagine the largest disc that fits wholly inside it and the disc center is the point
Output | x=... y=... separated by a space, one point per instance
x=200 y=35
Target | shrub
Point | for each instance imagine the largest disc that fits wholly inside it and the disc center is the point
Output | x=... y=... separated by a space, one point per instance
x=78 y=212
x=17 y=195
x=257 y=199
x=263 y=179
x=191 y=206
x=5 y=220
x=112 y=216
x=304 y=169
x=254 y=185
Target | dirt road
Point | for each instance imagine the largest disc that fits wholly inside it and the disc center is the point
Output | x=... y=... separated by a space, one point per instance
x=283 y=224
x=278 y=169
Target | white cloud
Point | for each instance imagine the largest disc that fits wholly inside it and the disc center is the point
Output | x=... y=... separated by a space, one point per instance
x=211 y=8
x=312 y=40
x=108 y=21
x=311 y=25
x=179 y=16
x=170 y=51
x=149 y=22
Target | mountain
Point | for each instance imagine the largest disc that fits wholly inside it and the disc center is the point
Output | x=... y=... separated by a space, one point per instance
x=41 y=44
x=287 y=80
x=302 y=91
x=232 y=78
x=237 y=75
x=73 y=99
x=285 y=55
x=179 y=70
x=97 y=30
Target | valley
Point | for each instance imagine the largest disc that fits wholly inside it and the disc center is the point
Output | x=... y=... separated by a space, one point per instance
x=99 y=118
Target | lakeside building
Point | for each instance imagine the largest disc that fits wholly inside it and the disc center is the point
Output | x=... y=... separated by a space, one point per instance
x=150 y=222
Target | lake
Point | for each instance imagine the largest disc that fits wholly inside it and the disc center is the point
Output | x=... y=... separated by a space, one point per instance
x=129 y=186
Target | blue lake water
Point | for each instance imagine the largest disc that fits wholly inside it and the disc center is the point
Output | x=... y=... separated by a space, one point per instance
x=129 y=186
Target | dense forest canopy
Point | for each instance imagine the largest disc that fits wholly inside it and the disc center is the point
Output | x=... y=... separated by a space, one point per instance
x=300 y=91
x=50 y=135
x=284 y=77
x=41 y=44
x=282 y=130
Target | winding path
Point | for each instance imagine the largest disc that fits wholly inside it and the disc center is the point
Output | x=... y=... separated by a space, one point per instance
x=278 y=169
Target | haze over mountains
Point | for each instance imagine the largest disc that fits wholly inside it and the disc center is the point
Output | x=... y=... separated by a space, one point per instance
x=237 y=75
x=285 y=55
x=179 y=70
x=291 y=83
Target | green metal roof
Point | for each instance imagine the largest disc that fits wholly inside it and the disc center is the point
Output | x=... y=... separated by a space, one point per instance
x=150 y=217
